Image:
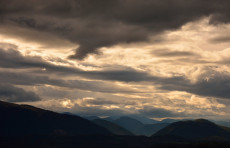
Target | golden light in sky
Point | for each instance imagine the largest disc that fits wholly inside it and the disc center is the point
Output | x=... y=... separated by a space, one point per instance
x=173 y=67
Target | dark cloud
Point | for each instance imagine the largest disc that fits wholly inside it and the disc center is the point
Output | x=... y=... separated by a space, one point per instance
x=27 y=70
x=11 y=93
x=11 y=58
x=95 y=111
x=20 y=78
x=101 y=23
x=152 y=112
x=220 y=39
x=210 y=83
x=104 y=101
x=169 y=53
x=221 y=13
x=216 y=86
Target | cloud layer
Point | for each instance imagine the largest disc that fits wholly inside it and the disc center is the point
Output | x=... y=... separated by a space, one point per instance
x=103 y=23
x=10 y=93
x=152 y=58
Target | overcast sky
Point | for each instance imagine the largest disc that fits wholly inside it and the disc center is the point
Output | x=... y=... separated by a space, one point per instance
x=154 y=58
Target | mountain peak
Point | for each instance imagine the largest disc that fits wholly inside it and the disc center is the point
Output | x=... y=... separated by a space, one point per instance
x=194 y=129
x=203 y=121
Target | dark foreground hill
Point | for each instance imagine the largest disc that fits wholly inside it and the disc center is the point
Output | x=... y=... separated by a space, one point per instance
x=101 y=141
x=200 y=129
x=23 y=120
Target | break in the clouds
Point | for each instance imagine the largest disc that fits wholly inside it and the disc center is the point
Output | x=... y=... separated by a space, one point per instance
x=117 y=57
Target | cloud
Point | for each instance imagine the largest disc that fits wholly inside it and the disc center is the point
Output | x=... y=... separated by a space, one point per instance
x=11 y=93
x=103 y=23
x=211 y=83
x=220 y=39
x=16 y=64
x=162 y=48
x=89 y=101
x=168 y=53
x=11 y=58
x=19 y=78
x=152 y=112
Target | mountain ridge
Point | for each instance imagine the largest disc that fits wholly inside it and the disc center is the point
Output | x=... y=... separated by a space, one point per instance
x=195 y=129
x=29 y=120
x=112 y=127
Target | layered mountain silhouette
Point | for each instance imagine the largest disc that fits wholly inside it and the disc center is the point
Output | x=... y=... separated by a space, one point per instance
x=136 y=125
x=129 y=123
x=141 y=119
x=200 y=129
x=144 y=120
x=19 y=120
x=114 y=128
x=27 y=126
x=91 y=117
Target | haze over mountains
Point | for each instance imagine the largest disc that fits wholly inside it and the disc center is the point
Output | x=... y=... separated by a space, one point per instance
x=134 y=124
x=112 y=127
x=140 y=125
x=137 y=125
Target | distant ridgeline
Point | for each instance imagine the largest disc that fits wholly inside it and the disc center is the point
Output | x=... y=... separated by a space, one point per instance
x=27 y=126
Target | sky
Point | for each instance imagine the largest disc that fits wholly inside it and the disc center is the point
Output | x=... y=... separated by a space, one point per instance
x=153 y=58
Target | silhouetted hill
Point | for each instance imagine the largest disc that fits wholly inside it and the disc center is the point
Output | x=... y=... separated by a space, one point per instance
x=129 y=123
x=150 y=129
x=200 y=129
x=24 y=126
x=19 y=120
x=114 y=128
x=68 y=113
x=84 y=141
x=139 y=128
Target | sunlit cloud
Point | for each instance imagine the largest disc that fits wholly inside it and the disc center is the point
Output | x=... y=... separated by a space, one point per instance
x=179 y=73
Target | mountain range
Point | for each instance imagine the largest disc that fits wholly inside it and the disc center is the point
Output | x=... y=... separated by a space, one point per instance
x=112 y=127
x=133 y=124
x=26 y=126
